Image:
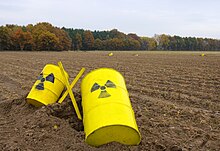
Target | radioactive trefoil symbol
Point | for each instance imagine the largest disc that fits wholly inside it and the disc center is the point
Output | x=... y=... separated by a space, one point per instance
x=104 y=93
x=49 y=78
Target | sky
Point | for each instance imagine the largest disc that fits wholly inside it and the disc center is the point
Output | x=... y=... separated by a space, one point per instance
x=195 y=18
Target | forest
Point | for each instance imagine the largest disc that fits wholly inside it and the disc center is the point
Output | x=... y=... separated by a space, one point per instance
x=45 y=37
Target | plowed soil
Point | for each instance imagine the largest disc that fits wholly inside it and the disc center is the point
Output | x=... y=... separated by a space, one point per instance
x=175 y=97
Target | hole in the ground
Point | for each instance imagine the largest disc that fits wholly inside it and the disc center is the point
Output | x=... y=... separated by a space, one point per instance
x=66 y=111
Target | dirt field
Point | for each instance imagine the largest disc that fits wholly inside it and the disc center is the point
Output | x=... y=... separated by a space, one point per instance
x=175 y=97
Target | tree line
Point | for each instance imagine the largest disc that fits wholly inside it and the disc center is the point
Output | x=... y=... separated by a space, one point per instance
x=44 y=36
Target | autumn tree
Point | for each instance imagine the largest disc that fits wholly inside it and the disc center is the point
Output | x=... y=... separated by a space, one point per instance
x=22 y=38
x=47 y=41
x=148 y=43
x=78 y=42
x=131 y=44
x=134 y=36
x=64 y=39
x=88 y=40
x=44 y=36
x=98 y=44
x=54 y=35
x=114 y=33
x=162 y=41
x=29 y=27
x=5 y=38
x=114 y=44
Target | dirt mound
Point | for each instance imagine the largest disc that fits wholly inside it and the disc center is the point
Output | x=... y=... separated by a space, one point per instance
x=42 y=128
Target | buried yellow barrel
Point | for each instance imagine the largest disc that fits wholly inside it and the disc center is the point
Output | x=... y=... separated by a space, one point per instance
x=107 y=112
x=48 y=87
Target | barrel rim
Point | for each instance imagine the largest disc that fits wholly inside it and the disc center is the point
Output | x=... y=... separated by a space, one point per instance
x=50 y=64
x=88 y=74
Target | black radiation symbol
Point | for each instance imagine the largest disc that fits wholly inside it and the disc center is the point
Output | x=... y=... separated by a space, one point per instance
x=49 y=78
x=104 y=93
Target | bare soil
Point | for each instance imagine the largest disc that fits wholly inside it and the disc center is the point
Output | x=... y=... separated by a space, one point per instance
x=175 y=97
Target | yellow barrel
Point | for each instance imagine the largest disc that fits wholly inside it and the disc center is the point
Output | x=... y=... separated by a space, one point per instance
x=107 y=112
x=48 y=87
